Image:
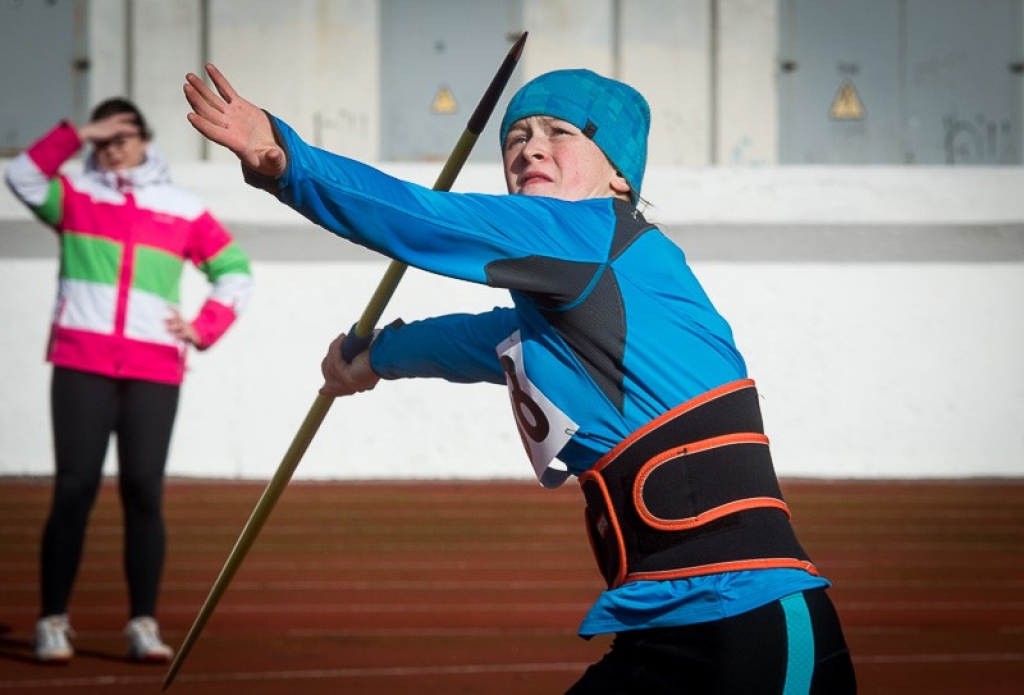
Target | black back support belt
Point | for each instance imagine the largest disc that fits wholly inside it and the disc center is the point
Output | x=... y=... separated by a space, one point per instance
x=693 y=492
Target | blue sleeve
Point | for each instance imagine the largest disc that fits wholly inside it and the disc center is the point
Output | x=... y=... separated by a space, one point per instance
x=456 y=347
x=453 y=234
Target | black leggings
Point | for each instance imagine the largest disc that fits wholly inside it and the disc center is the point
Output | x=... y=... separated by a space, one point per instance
x=85 y=409
x=794 y=646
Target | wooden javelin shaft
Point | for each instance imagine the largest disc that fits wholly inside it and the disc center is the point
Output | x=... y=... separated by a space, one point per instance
x=360 y=337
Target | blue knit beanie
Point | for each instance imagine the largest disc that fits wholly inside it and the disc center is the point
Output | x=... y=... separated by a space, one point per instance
x=612 y=114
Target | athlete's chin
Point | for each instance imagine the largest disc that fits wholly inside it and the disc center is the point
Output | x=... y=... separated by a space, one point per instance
x=538 y=188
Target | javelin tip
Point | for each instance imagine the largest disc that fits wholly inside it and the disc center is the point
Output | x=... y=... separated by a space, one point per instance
x=517 y=47
x=490 y=98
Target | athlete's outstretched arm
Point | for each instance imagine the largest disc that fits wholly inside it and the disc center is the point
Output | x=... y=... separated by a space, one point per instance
x=227 y=119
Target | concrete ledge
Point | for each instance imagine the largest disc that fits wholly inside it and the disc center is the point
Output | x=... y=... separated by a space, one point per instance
x=841 y=195
x=739 y=243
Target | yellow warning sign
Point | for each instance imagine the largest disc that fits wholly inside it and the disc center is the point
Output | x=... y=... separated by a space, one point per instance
x=847 y=105
x=444 y=102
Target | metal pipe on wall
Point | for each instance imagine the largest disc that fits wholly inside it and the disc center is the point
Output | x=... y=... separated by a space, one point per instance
x=129 y=49
x=616 y=39
x=204 y=58
x=713 y=26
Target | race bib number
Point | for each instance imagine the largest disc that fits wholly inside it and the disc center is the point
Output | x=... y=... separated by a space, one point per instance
x=543 y=428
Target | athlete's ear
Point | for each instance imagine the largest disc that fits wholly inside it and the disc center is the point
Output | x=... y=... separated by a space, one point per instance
x=620 y=185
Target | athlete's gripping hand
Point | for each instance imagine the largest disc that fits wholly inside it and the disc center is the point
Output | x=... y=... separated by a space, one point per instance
x=232 y=122
x=343 y=378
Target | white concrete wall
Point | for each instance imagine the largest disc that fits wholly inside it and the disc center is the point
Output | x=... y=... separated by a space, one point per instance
x=660 y=33
x=107 y=31
x=746 y=114
x=159 y=67
x=867 y=369
x=314 y=63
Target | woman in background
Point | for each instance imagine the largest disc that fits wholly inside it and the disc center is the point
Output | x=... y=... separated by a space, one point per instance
x=118 y=345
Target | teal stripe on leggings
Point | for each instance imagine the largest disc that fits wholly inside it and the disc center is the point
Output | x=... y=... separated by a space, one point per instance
x=800 y=636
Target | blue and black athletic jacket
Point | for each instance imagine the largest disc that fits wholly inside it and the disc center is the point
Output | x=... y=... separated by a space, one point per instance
x=609 y=336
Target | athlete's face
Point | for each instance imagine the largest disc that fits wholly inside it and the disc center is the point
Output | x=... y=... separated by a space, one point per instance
x=550 y=157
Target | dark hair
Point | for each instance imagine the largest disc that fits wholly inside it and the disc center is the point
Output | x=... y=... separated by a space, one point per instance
x=109 y=107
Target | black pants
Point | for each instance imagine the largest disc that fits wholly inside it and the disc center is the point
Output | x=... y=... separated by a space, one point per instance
x=86 y=409
x=790 y=647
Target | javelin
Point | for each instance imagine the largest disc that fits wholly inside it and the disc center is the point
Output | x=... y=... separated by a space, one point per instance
x=362 y=334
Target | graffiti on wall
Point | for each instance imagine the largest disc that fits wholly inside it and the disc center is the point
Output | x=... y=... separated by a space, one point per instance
x=978 y=141
x=343 y=126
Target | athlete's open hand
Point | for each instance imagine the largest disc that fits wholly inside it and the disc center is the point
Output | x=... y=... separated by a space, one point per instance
x=232 y=122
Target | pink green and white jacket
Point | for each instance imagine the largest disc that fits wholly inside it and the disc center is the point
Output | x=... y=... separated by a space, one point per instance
x=124 y=240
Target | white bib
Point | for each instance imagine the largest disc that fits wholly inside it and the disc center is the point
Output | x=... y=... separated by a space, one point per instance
x=543 y=428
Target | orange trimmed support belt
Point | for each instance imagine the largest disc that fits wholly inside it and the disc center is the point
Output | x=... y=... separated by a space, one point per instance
x=693 y=492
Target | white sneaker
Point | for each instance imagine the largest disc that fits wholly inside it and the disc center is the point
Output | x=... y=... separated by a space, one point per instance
x=51 y=643
x=144 y=643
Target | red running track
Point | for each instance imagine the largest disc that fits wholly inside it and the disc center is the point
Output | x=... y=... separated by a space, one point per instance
x=431 y=588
